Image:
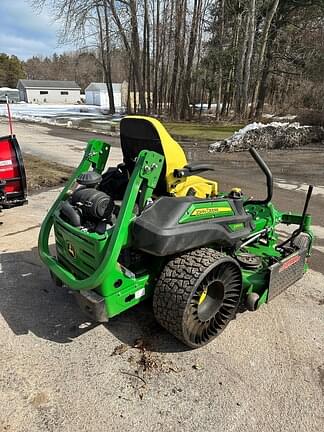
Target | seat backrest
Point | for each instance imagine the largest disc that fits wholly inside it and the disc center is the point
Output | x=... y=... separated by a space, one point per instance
x=146 y=133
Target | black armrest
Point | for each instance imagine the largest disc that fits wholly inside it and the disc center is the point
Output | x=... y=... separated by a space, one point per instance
x=192 y=169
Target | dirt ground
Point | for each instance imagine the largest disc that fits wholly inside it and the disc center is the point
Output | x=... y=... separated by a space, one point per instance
x=44 y=174
x=59 y=372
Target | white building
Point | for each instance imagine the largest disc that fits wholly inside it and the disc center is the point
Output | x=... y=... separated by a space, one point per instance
x=46 y=91
x=97 y=94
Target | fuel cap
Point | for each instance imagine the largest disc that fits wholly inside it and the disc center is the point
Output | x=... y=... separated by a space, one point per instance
x=89 y=179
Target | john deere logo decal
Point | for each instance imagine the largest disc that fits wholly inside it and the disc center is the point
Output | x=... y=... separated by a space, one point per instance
x=71 y=250
x=210 y=211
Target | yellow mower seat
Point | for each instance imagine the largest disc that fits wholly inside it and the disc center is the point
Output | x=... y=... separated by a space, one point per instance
x=146 y=133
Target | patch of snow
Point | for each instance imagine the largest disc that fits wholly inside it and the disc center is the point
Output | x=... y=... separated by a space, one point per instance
x=283 y=184
x=280 y=118
x=204 y=107
x=34 y=111
x=8 y=89
x=77 y=116
x=286 y=117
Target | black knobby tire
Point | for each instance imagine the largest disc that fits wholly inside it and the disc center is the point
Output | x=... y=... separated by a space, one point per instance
x=202 y=274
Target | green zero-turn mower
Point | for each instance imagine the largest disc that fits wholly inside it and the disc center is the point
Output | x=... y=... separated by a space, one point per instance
x=153 y=227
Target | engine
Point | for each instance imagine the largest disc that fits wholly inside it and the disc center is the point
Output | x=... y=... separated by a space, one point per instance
x=87 y=207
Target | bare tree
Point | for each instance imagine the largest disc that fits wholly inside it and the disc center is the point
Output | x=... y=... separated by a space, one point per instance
x=264 y=42
x=105 y=54
x=248 y=59
x=235 y=55
x=186 y=92
x=133 y=46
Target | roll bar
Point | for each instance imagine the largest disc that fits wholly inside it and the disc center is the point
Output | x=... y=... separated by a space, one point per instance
x=266 y=170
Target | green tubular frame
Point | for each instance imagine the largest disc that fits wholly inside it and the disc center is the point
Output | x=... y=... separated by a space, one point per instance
x=110 y=278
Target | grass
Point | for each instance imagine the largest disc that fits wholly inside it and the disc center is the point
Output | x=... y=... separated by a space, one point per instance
x=202 y=131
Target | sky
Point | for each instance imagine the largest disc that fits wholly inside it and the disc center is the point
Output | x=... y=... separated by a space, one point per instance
x=26 y=32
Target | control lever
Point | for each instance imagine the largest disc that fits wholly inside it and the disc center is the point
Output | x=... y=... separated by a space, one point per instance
x=302 y=221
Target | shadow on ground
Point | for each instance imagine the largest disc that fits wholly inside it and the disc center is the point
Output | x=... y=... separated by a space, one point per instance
x=30 y=302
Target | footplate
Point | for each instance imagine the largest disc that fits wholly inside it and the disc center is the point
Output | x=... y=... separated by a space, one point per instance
x=286 y=272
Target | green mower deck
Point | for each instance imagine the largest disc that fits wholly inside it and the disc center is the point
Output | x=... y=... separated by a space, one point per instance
x=203 y=259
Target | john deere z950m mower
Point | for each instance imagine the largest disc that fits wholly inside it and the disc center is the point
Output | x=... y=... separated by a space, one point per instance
x=154 y=227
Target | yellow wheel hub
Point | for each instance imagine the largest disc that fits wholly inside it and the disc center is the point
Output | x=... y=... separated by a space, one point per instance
x=202 y=297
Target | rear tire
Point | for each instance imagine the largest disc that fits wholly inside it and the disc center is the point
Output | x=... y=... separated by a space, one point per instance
x=197 y=295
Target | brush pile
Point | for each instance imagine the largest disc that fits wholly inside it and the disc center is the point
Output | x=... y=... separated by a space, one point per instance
x=270 y=136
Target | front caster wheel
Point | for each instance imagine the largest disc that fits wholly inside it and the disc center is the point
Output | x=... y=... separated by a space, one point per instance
x=197 y=295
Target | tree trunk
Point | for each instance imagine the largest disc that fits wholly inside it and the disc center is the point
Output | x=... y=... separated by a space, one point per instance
x=191 y=52
x=133 y=50
x=202 y=96
x=129 y=102
x=112 y=108
x=240 y=69
x=137 y=54
x=264 y=41
x=166 y=77
x=265 y=73
x=105 y=57
x=177 y=54
x=220 y=60
x=199 y=54
x=226 y=96
x=156 y=56
x=233 y=85
x=148 y=59
x=144 y=57
x=134 y=91
x=248 y=59
x=181 y=77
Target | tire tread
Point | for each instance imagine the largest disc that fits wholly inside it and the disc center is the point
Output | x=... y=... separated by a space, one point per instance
x=175 y=286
